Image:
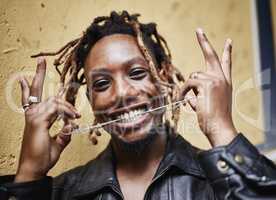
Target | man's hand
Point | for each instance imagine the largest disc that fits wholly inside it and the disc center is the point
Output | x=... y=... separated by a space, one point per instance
x=40 y=151
x=213 y=93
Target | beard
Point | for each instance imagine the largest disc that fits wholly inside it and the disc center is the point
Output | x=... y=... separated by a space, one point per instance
x=140 y=146
x=136 y=147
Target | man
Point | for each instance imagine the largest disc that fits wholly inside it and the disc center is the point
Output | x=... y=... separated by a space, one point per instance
x=127 y=68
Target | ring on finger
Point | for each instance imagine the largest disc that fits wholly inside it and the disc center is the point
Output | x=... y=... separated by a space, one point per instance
x=33 y=99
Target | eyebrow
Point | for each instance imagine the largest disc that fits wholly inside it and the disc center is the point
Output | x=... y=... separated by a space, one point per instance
x=100 y=71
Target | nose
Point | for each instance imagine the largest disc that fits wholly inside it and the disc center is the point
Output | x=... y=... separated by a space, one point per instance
x=125 y=92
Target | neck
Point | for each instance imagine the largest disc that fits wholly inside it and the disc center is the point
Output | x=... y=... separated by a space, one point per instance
x=137 y=163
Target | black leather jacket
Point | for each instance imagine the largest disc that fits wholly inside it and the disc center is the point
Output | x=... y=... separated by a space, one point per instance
x=236 y=171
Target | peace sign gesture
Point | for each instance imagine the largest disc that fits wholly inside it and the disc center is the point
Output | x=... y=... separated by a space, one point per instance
x=40 y=152
x=213 y=92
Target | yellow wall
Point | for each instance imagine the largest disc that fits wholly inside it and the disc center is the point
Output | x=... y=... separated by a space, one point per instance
x=273 y=9
x=30 y=26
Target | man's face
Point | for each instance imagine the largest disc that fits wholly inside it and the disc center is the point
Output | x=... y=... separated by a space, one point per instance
x=120 y=85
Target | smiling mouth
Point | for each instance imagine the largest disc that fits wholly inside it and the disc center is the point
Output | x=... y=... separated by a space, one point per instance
x=129 y=114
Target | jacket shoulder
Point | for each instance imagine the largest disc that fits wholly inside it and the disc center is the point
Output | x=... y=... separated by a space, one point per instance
x=70 y=178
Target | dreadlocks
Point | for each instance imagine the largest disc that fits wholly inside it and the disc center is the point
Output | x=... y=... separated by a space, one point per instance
x=153 y=46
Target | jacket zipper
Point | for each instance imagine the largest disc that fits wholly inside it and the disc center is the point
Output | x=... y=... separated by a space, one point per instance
x=153 y=181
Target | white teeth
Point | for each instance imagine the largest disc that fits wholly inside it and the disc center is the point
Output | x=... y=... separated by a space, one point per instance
x=130 y=116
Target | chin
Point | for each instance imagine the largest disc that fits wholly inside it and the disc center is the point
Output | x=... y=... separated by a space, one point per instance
x=135 y=133
x=134 y=138
x=135 y=142
x=132 y=130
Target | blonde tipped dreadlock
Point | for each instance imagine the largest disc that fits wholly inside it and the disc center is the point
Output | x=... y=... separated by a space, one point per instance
x=153 y=46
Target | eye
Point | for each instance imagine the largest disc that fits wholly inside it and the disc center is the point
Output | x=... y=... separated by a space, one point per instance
x=100 y=85
x=138 y=73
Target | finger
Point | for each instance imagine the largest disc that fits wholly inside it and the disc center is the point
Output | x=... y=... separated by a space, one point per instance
x=210 y=55
x=25 y=88
x=226 y=61
x=205 y=78
x=54 y=109
x=74 y=125
x=69 y=105
x=201 y=75
x=192 y=101
x=57 y=103
x=93 y=139
x=62 y=110
x=63 y=138
x=190 y=84
x=69 y=126
x=38 y=80
x=60 y=141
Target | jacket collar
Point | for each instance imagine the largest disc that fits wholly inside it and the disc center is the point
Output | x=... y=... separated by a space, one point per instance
x=181 y=155
x=100 y=173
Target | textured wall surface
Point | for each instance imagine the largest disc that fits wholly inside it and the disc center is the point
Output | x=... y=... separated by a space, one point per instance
x=31 y=26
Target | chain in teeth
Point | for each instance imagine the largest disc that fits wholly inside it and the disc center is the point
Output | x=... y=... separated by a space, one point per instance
x=130 y=116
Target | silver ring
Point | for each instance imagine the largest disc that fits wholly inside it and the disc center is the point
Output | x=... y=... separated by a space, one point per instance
x=33 y=99
x=26 y=107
